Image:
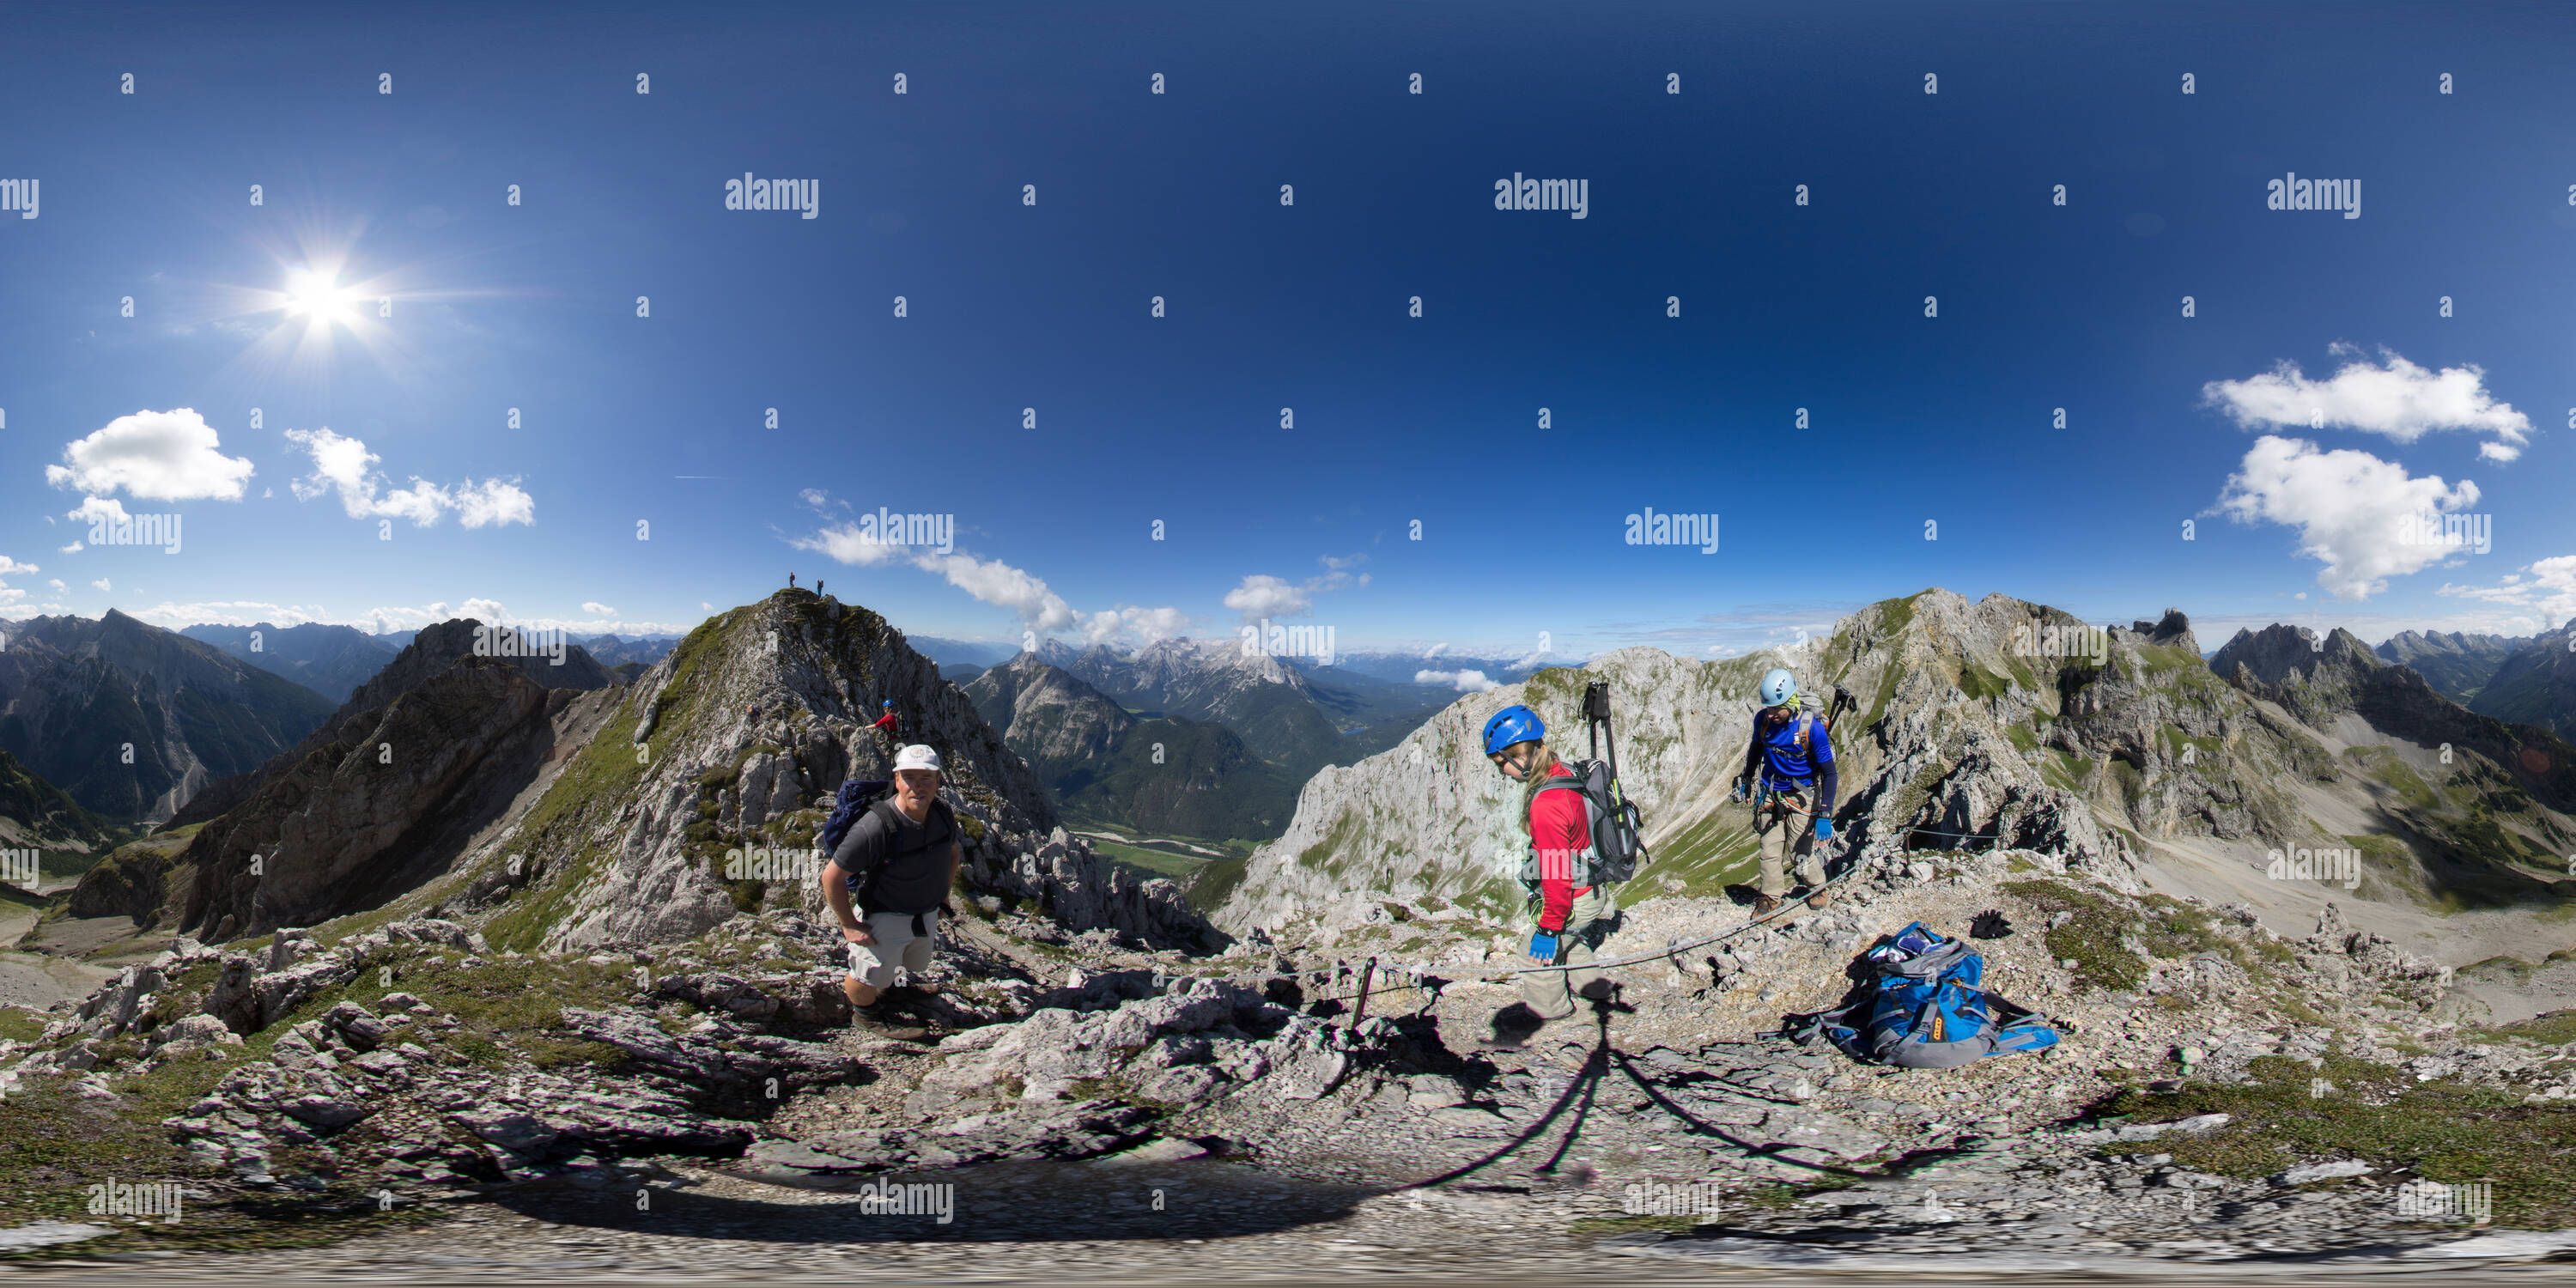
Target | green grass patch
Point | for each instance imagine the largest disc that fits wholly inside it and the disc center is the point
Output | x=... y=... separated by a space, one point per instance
x=18 y=1024
x=1149 y=862
x=2091 y=936
x=2437 y=1130
x=2555 y=1028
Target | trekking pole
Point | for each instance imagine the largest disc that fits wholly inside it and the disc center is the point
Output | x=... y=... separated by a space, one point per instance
x=1596 y=711
x=1359 y=1012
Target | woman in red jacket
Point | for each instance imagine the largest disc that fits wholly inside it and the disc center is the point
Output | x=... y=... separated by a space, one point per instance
x=1572 y=908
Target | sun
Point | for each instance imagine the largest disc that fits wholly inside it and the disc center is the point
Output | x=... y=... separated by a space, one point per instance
x=318 y=296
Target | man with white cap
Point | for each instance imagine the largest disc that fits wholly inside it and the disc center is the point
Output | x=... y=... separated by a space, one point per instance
x=896 y=865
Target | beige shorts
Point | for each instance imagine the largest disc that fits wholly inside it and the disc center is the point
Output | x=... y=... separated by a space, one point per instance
x=896 y=948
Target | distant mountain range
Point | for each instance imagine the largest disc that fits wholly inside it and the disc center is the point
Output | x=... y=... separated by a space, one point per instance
x=1106 y=765
x=131 y=720
x=1236 y=732
x=2525 y=679
x=330 y=660
x=334 y=660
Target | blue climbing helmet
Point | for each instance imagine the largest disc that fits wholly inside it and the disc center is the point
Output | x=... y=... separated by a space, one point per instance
x=1779 y=687
x=1515 y=723
x=889 y=704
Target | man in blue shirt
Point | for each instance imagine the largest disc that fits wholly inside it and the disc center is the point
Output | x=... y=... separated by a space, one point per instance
x=1789 y=776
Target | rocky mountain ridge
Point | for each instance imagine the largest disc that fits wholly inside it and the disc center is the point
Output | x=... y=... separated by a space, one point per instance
x=1999 y=724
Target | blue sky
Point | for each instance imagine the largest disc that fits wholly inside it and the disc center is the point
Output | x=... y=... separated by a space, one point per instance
x=662 y=420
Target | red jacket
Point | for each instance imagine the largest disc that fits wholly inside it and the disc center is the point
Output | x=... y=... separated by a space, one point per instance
x=885 y=722
x=1559 y=829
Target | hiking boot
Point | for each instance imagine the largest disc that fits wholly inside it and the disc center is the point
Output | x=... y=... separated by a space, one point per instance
x=1819 y=898
x=1764 y=905
x=883 y=1021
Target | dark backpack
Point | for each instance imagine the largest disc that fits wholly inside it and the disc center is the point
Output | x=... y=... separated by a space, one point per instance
x=856 y=796
x=1617 y=832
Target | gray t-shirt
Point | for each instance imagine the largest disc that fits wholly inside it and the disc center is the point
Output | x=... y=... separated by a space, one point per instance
x=895 y=865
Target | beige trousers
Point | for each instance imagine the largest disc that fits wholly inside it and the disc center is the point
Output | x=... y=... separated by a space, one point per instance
x=1551 y=992
x=1781 y=831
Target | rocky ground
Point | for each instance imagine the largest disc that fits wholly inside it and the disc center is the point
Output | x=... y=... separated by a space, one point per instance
x=416 y=1101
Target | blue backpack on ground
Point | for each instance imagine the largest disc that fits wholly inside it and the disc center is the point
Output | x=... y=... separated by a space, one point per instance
x=1924 y=1010
x=856 y=796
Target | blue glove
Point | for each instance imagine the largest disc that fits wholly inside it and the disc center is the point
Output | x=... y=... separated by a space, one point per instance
x=1824 y=829
x=1543 y=947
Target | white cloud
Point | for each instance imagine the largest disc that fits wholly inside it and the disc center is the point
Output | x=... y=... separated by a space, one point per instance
x=598 y=609
x=705 y=607
x=10 y=568
x=492 y=502
x=1464 y=681
x=2349 y=507
x=998 y=583
x=2399 y=399
x=160 y=455
x=1434 y=651
x=845 y=543
x=2550 y=593
x=1262 y=595
x=94 y=510
x=345 y=466
x=57 y=584
x=100 y=584
x=1127 y=623
x=72 y=549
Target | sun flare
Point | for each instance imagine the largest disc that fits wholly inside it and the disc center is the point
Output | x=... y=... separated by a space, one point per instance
x=316 y=295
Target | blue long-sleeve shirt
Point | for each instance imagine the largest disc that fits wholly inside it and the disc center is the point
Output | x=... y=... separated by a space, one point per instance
x=1780 y=761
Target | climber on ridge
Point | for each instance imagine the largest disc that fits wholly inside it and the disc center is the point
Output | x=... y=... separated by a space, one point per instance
x=1790 y=751
x=1574 y=904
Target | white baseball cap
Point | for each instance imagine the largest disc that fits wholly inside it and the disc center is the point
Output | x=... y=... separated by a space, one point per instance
x=916 y=756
